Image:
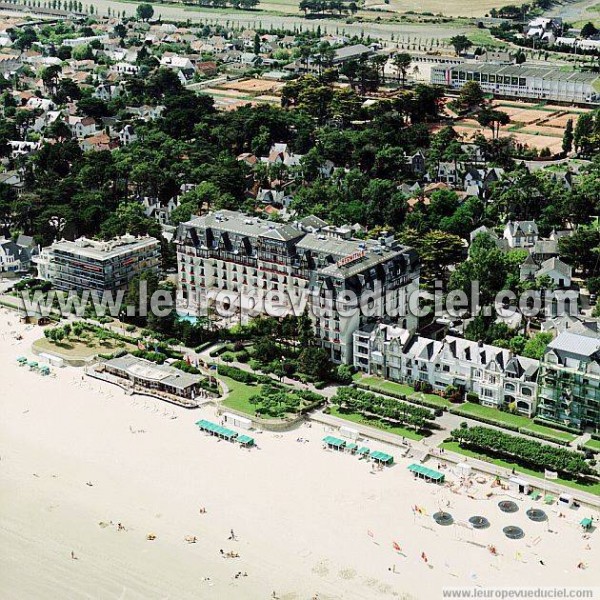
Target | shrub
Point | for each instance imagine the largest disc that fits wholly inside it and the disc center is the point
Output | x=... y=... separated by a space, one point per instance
x=130 y=328
x=254 y=364
x=182 y=365
x=472 y=397
x=238 y=346
x=156 y=357
x=242 y=356
x=344 y=375
x=227 y=357
x=237 y=374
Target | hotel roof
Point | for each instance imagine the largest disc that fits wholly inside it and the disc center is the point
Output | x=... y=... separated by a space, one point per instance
x=240 y=224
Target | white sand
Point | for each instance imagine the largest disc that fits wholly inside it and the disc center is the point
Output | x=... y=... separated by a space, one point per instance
x=301 y=514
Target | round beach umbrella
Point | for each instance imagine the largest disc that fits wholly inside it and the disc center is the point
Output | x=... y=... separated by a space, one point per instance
x=508 y=506
x=443 y=518
x=536 y=514
x=513 y=532
x=478 y=522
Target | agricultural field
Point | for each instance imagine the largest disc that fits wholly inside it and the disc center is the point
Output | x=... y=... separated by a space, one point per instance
x=231 y=95
x=458 y=8
x=537 y=126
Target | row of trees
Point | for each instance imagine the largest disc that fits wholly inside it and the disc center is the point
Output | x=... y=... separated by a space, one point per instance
x=327 y=7
x=353 y=400
x=529 y=453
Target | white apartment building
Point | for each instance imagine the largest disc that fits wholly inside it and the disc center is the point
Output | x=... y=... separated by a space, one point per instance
x=494 y=374
x=278 y=269
x=86 y=264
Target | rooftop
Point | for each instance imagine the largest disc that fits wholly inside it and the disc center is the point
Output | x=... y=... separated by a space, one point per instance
x=149 y=371
x=101 y=250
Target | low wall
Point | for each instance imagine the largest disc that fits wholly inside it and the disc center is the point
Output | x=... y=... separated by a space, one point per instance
x=265 y=424
x=69 y=360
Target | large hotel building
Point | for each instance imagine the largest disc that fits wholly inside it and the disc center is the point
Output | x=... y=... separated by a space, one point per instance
x=263 y=267
x=86 y=264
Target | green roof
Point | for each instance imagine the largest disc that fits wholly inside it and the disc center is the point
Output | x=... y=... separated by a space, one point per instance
x=535 y=495
x=587 y=522
x=548 y=498
x=382 y=456
x=245 y=439
x=351 y=446
x=216 y=429
x=333 y=441
x=364 y=450
x=426 y=472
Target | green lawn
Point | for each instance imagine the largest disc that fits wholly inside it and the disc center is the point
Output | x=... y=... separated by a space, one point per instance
x=239 y=395
x=383 y=386
x=593 y=445
x=471 y=409
x=357 y=418
x=455 y=447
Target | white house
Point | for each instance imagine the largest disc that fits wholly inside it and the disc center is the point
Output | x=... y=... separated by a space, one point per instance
x=127 y=135
x=496 y=376
x=521 y=234
x=81 y=126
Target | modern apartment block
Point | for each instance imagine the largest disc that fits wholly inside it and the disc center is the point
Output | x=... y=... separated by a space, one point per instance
x=264 y=267
x=494 y=374
x=570 y=381
x=522 y=81
x=86 y=264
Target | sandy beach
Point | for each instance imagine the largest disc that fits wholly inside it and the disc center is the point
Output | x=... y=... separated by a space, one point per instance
x=78 y=457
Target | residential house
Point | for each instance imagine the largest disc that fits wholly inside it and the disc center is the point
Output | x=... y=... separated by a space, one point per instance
x=521 y=234
x=100 y=141
x=15 y=256
x=127 y=135
x=81 y=126
x=497 y=377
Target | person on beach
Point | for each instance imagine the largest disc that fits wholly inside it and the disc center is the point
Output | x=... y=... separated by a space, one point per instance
x=73 y=557
x=231 y=535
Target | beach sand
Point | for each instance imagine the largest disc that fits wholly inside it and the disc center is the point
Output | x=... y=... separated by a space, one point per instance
x=307 y=521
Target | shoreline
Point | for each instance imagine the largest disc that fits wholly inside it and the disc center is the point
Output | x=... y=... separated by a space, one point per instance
x=307 y=521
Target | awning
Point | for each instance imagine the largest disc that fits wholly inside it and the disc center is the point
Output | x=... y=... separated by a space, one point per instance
x=426 y=473
x=363 y=450
x=536 y=496
x=216 y=429
x=351 y=446
x=333 y=441
x=586 y=523
x=382 y=457
x=549 y=499
x=246 y=440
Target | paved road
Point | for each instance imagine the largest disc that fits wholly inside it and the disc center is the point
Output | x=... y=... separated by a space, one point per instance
x=253 y=19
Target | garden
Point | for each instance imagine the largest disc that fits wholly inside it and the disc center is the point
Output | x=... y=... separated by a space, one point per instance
x=530 y=454
x=384 y=413
x=285 y=347
x=259 y=395
x=79 y=341
x=512 y=422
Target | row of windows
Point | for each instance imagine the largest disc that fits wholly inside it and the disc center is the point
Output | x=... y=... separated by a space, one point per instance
x=485 y=78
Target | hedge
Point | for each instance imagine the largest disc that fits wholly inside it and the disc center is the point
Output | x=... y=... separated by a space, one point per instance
x=596 y=436
x=487 y=420
x=543 y=436
x=238 y=374
x=554 y=425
